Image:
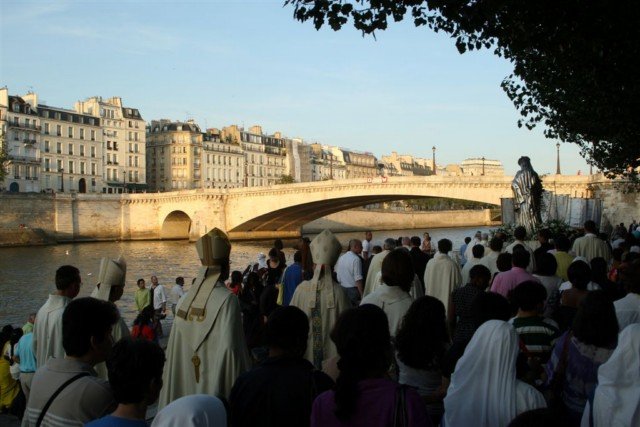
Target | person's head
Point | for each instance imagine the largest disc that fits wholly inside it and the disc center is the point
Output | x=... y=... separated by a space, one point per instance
x=31 y=318
x=444 y=246
x=146 y=316
x=287 y=331
x=253 y=280
x=478 y=235
x=361 y=336
x=595 y=322
x=135 y=371
x=616 y=254
x=579 y=274
x=496 y=244
x=503 y=262
x=535 y=418
x=426 y=235
x=477 y=251
x=467 y=240
x=562 y=243
x=68 y=281
x=368 y=235
x=274 y=255
x=489 y=306
x=415 y=241
x=547 y=265
x=406 y=241
x=297 y=256
x=154 y=281
x=236 y=277
x=520 y=233
x=86 y=329
x=480 y=276
x=389 y=244
x=631 y=277
x=520 y=258
x=599 y=270
x=5 y=334
x=529 y=296
x=376 y=249
x=141 y=283
x=180 y=280
x=397 y=270
x=355 y=246
x=423 y=336
x=544 y=234
x=590 y=227
x=16 y=334
x=278 y=244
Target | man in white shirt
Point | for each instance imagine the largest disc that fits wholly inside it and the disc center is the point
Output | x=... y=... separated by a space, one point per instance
x=366 y=245
x=628 y=308
x=159 y=302
x=349 y=272
x=520 y=233
x=176 y=293
x=590 y=245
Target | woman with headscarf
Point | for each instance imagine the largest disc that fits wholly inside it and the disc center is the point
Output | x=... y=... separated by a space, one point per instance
x=195 y=410
x=616 y=400
x=484 y=391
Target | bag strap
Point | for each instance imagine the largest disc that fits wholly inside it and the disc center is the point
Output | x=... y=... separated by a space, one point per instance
x=56 y=393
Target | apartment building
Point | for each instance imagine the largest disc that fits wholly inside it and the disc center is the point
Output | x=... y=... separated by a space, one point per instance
x=223 y=161
x=360 y=165
x=479 y=166
x=405 y=165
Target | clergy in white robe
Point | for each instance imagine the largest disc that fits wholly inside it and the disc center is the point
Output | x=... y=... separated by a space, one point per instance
x=442 y=275
x=206 y=350
x=47 y=331
x=374 y=277
x=484 y=391
x=616 y=401
x=321 y=299
x=110 y=286
x=590 y=245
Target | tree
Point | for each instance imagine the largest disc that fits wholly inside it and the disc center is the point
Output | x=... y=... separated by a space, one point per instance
x=574 y=61
x=286 y=179
x=3 y=159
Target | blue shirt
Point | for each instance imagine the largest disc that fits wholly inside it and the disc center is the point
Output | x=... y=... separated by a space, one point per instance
x=111 y=421
x=463 y=259
x=292 y=278
x=24 y=350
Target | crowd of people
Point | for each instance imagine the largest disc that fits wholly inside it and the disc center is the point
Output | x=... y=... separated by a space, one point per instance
x=407 y=333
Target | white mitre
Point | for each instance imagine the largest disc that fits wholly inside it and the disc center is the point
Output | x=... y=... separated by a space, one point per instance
x=112 y=273
x=325 y=250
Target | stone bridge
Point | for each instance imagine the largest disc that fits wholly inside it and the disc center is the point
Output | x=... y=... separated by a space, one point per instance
x=248 y=213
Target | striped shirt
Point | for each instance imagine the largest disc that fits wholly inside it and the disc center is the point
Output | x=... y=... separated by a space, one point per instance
x=537 y=333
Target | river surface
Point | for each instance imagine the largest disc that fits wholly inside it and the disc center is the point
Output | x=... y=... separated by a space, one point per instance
x=27 y=274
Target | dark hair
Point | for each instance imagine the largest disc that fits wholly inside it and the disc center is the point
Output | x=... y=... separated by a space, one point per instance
x=520 y=232
x=528 y=295
x=520 y=258
x=616 y=253
x=496 y=244
x=590 y=226
x=66 y=276
x=422 y=338
x=415 y=241
x=503 y=262
x=630 y=276
x=535 y=418
x=236 y=276
x=545 y=233
x=297 y=256
x=84 y=318
x=376 y=249
x=467 y=240
x=599 y=270
x=361 y=336
x=596 y=322
x=133 y=364
x=288 y=329
x=579 y=274
x=253 y=280
x=146 y=316
x=397 y=269
x=488 y=306
x=139 y=280
x=444 y=246
x=5 y=334
x=278 y=244
x=480 y=271
x=179 y=280
x=477 y=251
x=562 y=243
x=274 y=253
x=547 y=265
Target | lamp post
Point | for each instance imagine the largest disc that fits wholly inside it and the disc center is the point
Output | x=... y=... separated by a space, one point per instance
x=62 y=180
x=433 y=160
x=557 y=158
x=482 y=165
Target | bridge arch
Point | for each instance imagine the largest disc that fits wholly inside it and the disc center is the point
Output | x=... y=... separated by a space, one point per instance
x=176 y=226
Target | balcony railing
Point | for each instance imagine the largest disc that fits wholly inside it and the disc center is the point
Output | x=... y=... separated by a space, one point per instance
x=29 y=141
x=29 y=127
x=24 y=159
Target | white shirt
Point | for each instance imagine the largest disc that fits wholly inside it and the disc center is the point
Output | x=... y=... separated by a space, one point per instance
x=176 y=293
x=591 y=286
x=159 y=297
x=349 y=269
x=366 y=246
x=628 y=310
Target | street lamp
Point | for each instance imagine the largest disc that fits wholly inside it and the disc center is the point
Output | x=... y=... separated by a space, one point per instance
x=433 y=160
x=482 y=165
x=557 y=158
x=62 y=180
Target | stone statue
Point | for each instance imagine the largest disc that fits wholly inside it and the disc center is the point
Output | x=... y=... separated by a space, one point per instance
x=527 y=195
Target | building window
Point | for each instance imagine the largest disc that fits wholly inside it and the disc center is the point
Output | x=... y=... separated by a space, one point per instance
x=47 y=147
x=46 y=128
x=93 y=151
x=70 y=133
x=93 y=169
x=93 y=135
x=47 y=165
x=59 y=162
x=82 y=150
x=70 y=170
x=59 y=130
x=136 y=161
x=59 y=147
x=71 y=149
x=81 y=133
x=82 y=172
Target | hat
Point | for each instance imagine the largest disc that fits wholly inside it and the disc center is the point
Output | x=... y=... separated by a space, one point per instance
x=213 y=248
x=112 y=273
x=325 y=248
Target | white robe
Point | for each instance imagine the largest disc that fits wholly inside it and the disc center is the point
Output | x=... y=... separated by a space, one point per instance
x=470 y=264
x=591 y=246
x=374 y=273
x=393 y=301
x=217 y=341
x=333 y=301
x=616 y=401
x=484 y=391
x=47 y=331
x=491 y=258
x=442 y=277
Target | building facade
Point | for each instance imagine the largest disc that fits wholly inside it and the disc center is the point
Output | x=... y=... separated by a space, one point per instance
x=360 y=165
x=405 y=165
x=223 y=161
x=479 y=166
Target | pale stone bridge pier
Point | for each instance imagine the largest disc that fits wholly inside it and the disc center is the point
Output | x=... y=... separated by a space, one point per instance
x=246 y=213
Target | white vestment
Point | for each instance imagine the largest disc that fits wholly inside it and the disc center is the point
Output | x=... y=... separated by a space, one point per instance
x=374 y=273
x=591 y=246
x=484 y=391
x=532 y=259
x=206 y=351
x=616 y=400
x=393 y=301
x=628 y=310
x=333 y=301
x=192 y=411
x=491 y=258
x=47 y=331
x=467 y=267
x=442 y=277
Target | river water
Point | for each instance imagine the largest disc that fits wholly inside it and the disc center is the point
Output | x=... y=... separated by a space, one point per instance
x=27 y=274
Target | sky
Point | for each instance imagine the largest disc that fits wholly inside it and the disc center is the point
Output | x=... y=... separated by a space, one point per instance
x=249 y=62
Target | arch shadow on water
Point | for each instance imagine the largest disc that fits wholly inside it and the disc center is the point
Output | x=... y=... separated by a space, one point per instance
x=176 y=226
